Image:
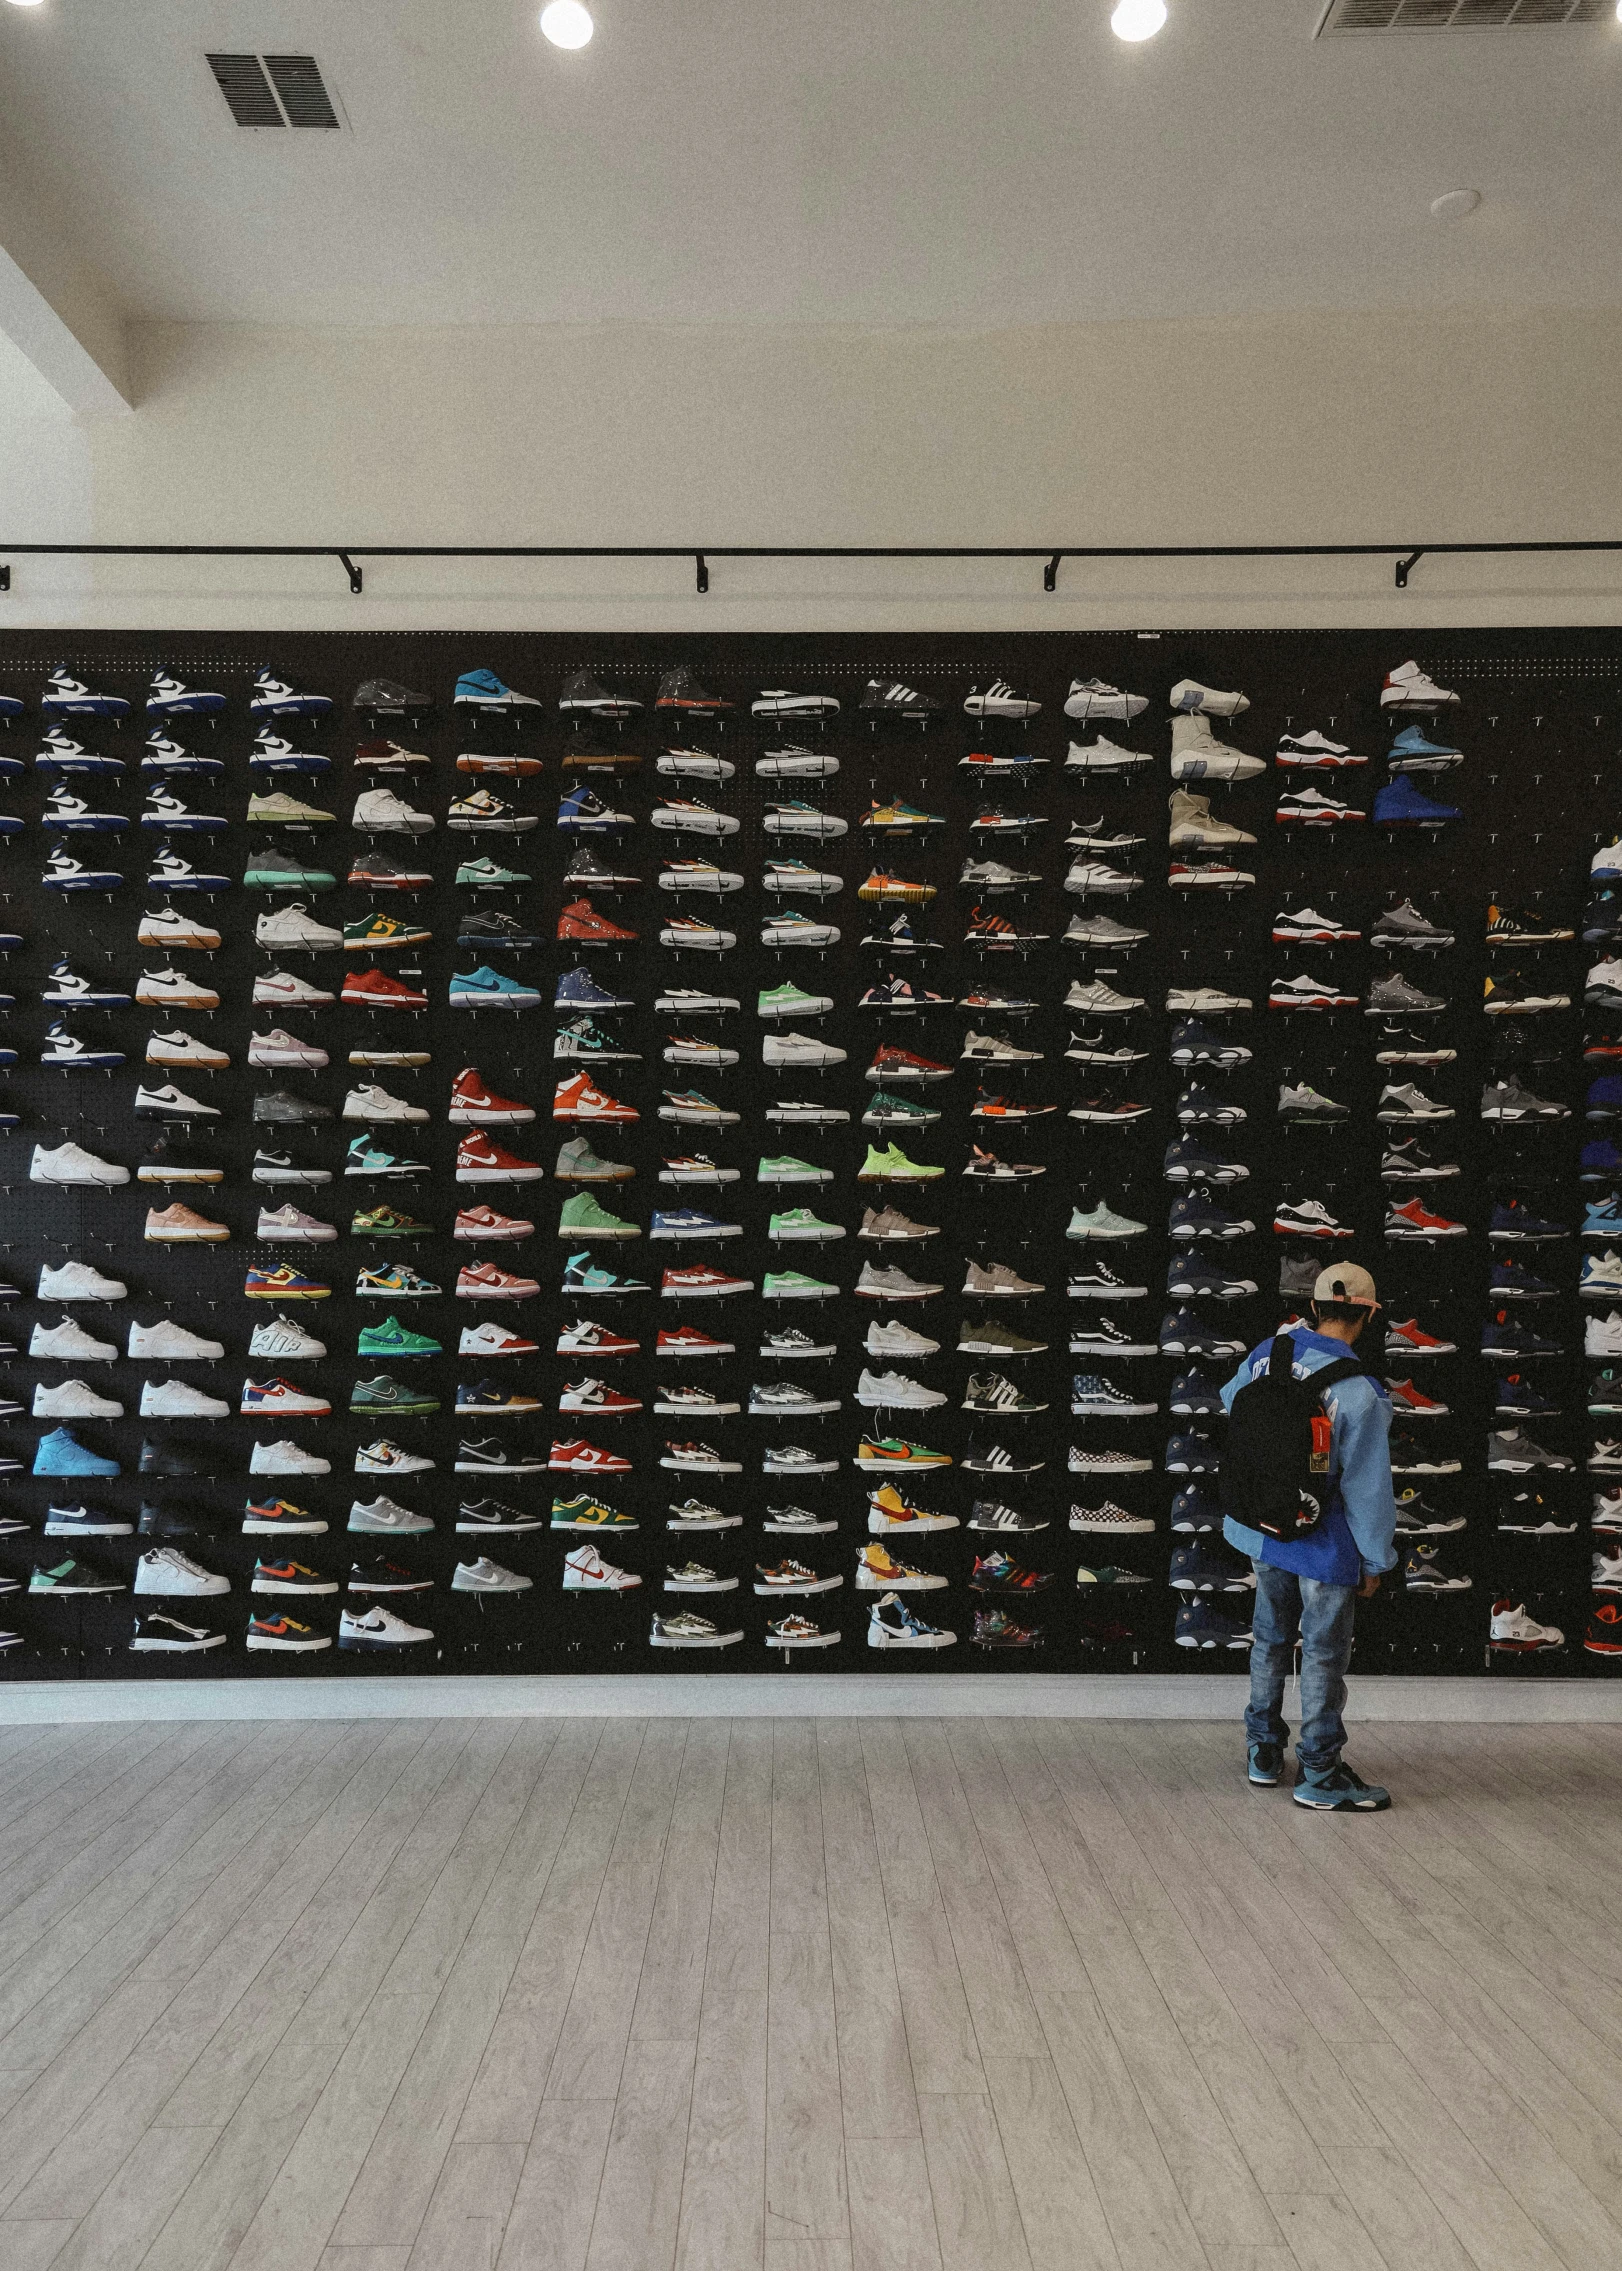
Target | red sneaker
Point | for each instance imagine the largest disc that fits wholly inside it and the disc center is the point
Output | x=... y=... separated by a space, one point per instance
x=703 y=1278
x=1408 y=1340
x=482 y=1281
x=1412 y=1220
x=512 y=768
x=375 y=989
x=593 y=1396
x=580 y=1458
x=475 y=1104
x=1412 y=1401
x=890 y=1063
x=480 y=1160
x=584 y=1338
x=687 y=1340
x=580 y=925
x=577 y=1099
x=483 y=1222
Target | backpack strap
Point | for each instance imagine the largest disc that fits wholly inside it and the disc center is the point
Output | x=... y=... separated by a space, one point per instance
x=1281 y=1357
x=1343 y=1368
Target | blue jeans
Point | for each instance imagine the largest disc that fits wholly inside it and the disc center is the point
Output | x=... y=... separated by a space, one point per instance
x=1322 y=1615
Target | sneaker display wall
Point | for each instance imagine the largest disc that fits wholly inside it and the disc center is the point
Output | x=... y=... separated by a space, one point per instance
x=404 y=1142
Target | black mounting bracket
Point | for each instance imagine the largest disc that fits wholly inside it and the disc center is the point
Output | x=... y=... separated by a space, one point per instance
x=1403 y=566
x=355 y=577
x=5 y=577
x=701 y=572
x=1050 y=574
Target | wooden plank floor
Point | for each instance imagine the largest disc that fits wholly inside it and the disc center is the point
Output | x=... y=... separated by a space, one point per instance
x=845 y=1995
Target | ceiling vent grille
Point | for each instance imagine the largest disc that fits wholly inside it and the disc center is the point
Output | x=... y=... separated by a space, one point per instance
x=274 y=90
x=1458 y=15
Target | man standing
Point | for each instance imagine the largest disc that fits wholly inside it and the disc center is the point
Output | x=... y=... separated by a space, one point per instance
x=1309 y=1586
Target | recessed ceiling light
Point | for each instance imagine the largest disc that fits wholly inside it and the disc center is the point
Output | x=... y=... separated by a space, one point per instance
x=567 y=23
x=1141 y=19
x=35 y=4
x=1454 y=204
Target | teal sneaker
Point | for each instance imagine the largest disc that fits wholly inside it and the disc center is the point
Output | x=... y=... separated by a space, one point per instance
x=368 y=1157
x=398 y=1283
x=487 y=875
x=582 y=1275
x=390 y=1396
x=271 y=869
x=800 y=1222
x=788 y=1169
x=1339 y=1791
x=887 y=1111
x=1266 y=1764
x=391 y=1338
x=1102 y=1221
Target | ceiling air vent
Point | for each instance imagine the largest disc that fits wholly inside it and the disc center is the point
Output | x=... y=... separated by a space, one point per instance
x=274 y=90
x=1458 y=15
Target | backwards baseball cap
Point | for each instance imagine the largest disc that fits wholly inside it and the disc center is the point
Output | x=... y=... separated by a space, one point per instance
x=1345 y=1281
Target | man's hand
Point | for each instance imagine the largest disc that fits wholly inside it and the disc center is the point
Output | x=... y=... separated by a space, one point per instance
x=1370 y=1585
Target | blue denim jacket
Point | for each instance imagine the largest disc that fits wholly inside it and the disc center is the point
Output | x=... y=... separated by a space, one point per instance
x=1358 y=1531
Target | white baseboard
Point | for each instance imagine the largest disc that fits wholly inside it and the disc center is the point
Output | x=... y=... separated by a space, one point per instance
x=918 y=1695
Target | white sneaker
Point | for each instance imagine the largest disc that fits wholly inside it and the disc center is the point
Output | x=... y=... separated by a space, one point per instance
x=164 y=1342
x=77 y=1281
x=289 y=1225
x=487 y=1576
x=279 y=1048
x=71 y=1164
x=286 y=1459
x=799 y=1049
x=1513 y=1630
x=178 y=1399
x=374 y=1103
x=295 y=926
x=1206 y=1001
x=172 y=989
x=1602 y=1336
x=170 y=1102
x=1193 y=826
x=185 y=1049
x=884 y=1391
x=74 y=1399
x=1197 y=755
x=280 y=1399
x=386 y=1458
x=167 y=1570
x=898 y=1340
x=1104 y=756
x=1189 y=695
x=280 y=1338
x=69 y=1343
x=585 y=1571
x=384 y=813
x=1407 y=688
x=1100 y=1000
x=285 y=991
x=1094 y=698
x=379 y=1628
x=167 y=926
x=494 y=1340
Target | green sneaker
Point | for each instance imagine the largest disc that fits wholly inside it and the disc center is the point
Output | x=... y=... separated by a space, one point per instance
x=392 y=1396
x=886 y=1111
x=271 y=870
x=891 y=1165
x=790 y=1000
x=373 y=932
x=392 y=1339
x=582 y=1217
x=485 y=875
x=794 y=1285
x=788 y=1169
x=800 y=1222
x=586 y=1513
x=1103 y=1222
x=278 y=805
x=578 y=1163
x=387 y=1222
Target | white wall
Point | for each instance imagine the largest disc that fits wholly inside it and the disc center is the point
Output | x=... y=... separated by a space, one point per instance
x=1375 y=428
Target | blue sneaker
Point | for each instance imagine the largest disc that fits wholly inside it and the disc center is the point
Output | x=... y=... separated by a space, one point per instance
x=65 y=810
x=582 y=1275
x=1184 y=1334
x=68 y=1051
x=485 y=988
x=582 y=812
x=272 y=697
x=1511 y=1220
x=578 y=989
x=1190 y=1278
x=1337 y=1790
x=61 y=1453
x=1195 y=1217
x=483 y=690
x=65 y=986
x=1264 y=1765
x=1195 y=1513
x=1199 y=1625
x=1194 y=1043
x=1504 y=1336
x=1604 y=1218
x=1412 y=753
x=169 y=872
x=1606 y=864
x=64 y=873
x=1400 y=805
x=67 y=697
x=1518 y=1399
x=274 y=753
x=1192 y=1455
x=1604 y=1099
x=1188 y=1161
x=691 y=1222
x=170 y=697
x=60 y=753
x=165 y=759
x=1600 y=1161
x=11 y=707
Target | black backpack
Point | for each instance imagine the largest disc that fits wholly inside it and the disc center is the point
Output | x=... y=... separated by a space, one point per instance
x=1275 y=1467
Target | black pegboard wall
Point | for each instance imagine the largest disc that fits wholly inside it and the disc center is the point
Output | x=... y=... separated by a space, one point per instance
x=1541 y=724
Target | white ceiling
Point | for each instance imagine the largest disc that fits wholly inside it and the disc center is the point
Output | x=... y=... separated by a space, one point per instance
x=966 y=162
